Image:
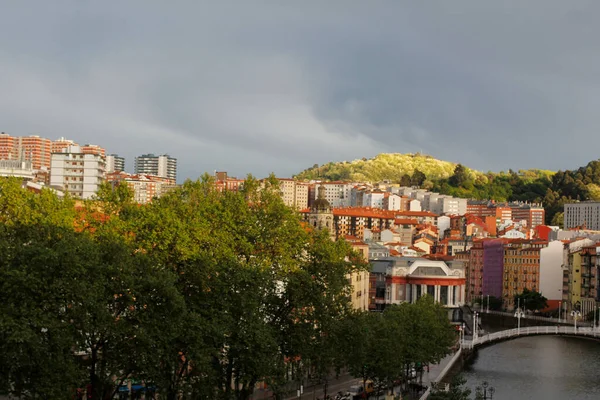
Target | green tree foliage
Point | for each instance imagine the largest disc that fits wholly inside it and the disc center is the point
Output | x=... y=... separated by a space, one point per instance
x=199 y=292
x=531 y=300
x=417 y=178
x=457 y=391
x=386 y=346
x=385 y=166
x=405 y=180
x=460 y=176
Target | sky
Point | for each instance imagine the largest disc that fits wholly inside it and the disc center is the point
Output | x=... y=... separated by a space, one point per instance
x=278 y=86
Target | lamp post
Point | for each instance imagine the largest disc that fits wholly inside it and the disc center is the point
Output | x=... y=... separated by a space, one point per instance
x=575 y=314
x=474 y=325
x=595 y=309
x=484 y=392
x=488 y=304
x=519 y=314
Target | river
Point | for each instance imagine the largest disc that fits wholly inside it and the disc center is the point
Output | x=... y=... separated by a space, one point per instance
x=539 y=367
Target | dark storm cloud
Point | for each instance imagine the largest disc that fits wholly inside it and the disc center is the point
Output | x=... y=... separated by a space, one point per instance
x=277 y=86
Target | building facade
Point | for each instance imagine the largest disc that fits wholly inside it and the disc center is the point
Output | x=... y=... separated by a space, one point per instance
x=293 y=193
x=163 y=165
x=409 y=278
x=145 y=187
x=585 y=214
x=114 y=163
x=77 y=173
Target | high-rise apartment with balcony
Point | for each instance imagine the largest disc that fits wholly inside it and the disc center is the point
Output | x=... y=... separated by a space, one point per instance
x=78 y=173
x=164 y=166
x=114 y=163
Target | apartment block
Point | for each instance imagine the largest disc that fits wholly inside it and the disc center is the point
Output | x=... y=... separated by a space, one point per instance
x=114 y=163
x=145 y=187
x=163 y=165
x=337 y=193
x=294 y=194
x=80 y=174
x=585 y=214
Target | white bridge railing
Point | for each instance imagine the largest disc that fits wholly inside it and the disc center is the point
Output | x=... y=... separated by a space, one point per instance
x=530 y=330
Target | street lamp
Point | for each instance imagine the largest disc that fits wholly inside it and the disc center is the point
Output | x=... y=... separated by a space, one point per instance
x=484 y=392
x=474 y=325
x=575 y=314
x=519 y=314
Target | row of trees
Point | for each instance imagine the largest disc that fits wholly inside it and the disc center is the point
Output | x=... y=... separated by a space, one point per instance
x=200 y=293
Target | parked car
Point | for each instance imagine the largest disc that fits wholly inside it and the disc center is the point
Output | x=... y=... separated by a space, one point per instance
x=359 y=392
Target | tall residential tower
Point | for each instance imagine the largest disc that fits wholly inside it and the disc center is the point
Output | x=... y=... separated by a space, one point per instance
x=164 y=166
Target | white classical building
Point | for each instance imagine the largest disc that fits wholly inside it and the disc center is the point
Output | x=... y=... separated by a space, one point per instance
x=409 y=278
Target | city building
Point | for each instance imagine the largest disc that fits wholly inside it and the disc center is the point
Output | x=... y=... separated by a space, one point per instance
x=225 y=182
x=293 y=193
x=337 y=193
x=145 y=187
x=28 y=148
x=17 y=168
x=580 y=275
x=409 y=278
x=80 y=174
x=62 y=143
x=359 y=280
x=114 y=163
x=585 y=214
x=551 y=273
x=163 y=165
x=93 y=149
x=321 y=214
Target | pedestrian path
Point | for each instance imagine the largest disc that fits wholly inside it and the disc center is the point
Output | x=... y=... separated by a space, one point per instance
x=344 y=381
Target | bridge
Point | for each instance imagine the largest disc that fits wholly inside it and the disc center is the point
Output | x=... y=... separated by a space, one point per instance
x=529 y=331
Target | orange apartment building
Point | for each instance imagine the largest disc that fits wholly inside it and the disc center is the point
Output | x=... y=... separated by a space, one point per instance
x=353 y=220
x=38 y=150
x=521 y=268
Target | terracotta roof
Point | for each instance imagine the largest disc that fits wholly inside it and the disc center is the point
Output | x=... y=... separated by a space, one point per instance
x=415 y=214
x=365 y=212
x=406 y=221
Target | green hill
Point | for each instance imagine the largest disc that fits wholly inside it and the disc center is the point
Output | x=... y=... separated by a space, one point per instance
x=385 y=166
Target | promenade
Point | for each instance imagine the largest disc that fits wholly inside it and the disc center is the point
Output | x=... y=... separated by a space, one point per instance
x=344 y=381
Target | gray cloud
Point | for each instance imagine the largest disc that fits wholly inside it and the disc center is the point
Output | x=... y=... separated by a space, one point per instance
x=255 y=87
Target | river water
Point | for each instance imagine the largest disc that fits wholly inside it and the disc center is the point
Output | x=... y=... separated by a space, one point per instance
x=539 y=367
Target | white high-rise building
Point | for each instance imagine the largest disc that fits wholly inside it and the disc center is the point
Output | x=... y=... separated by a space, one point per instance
x=114 y=163
x=80 y=174
x=164 y=166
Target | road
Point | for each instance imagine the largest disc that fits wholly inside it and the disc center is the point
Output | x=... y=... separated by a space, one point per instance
x=343 y=383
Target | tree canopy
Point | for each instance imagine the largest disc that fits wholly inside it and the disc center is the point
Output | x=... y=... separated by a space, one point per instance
x=200 y=292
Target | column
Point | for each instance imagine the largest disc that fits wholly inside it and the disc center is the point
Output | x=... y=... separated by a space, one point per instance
x=413 y=292
x=450 y=295
x=437 y=293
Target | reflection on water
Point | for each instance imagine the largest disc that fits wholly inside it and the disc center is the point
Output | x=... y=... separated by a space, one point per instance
x=539 y=367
